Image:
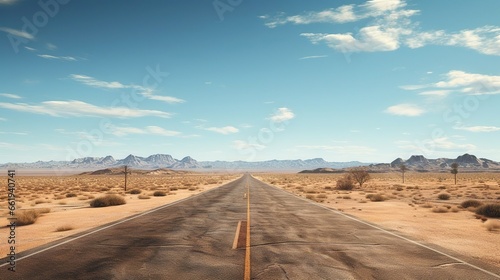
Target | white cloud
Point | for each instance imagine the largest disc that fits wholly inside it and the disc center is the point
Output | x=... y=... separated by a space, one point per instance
x=344 y=149
x=51 y=46
x=409 y=110
x=223 y=130
x=3 y=119
x=8 y=95
x=14 y=133
x=8 y=2
x=436 y=92
x=479 y=128
x=282 y=115
x=144 y=91
x=460 y=81
x=313 y=57
x=152 y=130
x=430 y=146
x=167 y=99
x=30 y=49
x=76 y=108
x=66 y=58
x=243 y=145
x=391 y=27
x=17 y=33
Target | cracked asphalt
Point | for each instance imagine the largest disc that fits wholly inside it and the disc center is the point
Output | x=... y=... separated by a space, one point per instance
x=291 y=238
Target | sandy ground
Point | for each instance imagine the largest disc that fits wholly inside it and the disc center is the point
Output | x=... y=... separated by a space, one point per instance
x=409 y=208
x=75 y=212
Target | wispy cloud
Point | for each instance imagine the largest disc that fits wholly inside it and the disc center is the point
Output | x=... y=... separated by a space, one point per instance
x=153 y=130
x=434 y=145
x=282 y=115
x=244 y=145
x=341 y=149
x=76 y=108
x=478 y=128
x=65 y=58
x=8 y=2
x=409 y=110
x=462 y=82
x=144 y=91
x=51 y=46
x=8 y=95
x=17 y=33
x=223 y=130
x=391 y=27
x=3 y=119
x=30 y=49
x=13 y=133
x=313 y=57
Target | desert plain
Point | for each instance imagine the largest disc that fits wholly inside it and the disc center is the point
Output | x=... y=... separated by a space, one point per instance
x=426 y=208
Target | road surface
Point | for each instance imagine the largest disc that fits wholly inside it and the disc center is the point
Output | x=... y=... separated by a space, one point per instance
x=290 y=238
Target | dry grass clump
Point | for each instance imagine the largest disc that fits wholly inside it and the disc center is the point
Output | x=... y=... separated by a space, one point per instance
x=345 y=183
x=28 y=217
x=440 y=209
x=489 y=210
x=135 y=191
x=143 y=196
x=444 y=196
x=108 y=200
x=64 y=228
x=492 y=225
x=71 y=195
x=376 y=197
x=471 y=203
x=159 y=193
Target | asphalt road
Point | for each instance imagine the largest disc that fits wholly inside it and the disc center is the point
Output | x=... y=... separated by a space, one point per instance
x=290 y=238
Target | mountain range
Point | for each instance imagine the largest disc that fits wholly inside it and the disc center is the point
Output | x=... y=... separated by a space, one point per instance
x=167 y=161
x=157 y=161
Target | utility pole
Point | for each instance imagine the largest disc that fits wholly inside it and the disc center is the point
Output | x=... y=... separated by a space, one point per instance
x=126 y=172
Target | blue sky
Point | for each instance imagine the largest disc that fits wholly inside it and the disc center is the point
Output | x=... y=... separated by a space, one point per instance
x=249 y=80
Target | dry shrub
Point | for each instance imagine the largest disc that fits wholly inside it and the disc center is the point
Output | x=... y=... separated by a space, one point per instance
x=345 y=183
x=28 y=217
x=376 y=197
x=322 y=195
x=143 y=196
x=193 y=188
x=310 y=196
x=471 y=203
x=71 y=195
x=159 y=193
x=444 y=196
x=440 y=209
x=108 y=200
x=492 y=225
x=64 y=228
x=489 y=210
x=135 y=191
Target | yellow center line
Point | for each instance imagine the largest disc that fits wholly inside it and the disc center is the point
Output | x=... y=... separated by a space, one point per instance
x=247 y=246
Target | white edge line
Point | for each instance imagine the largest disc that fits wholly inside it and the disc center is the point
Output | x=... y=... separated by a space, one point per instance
x=388 y=232
x=114 y=224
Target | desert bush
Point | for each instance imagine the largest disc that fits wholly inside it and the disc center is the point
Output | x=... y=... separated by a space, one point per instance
x=489 y=210
x=322 y=195
x=159 y=193
x=135 y=191
x=345 y=183
x=440 y=209
x=71 y=195
x=193 y=188
x=444 y=196
x=64 y=228
x=142 y=196
x=26 y=217
x=471 y=203
x=359 y=175
x=492 y=225
x=375 y=197
x=309 y=196
x=107 y=200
